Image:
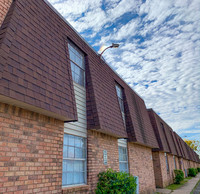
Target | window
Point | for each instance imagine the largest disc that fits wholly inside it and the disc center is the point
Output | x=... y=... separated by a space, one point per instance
x=174 y=162
x=74 y=160
x=123 y=159
x=77 y=61
x=162 y=126
x=183 y=165
x=167 y=164
x=121 y=102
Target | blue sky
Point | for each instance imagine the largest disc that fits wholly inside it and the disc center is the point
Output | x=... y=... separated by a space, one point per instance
x=159 y=53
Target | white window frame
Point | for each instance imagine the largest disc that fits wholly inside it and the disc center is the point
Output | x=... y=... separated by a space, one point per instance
x=81 y=54
x=121 y=101
x=77 y=159
x=167 y=162
x=174 y=162
x=122 y=144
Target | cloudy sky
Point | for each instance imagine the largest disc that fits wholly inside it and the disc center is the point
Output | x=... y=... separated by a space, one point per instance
x=159 y=53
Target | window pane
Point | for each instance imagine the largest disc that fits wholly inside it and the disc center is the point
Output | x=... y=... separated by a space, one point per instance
x=77 y=142
x=77 y=74
x=65 y=139
x=77 y=70
x=70 y=152
x=73 y=66
x=71 y=140
x=77 y=177
x=123 y=159
x=74 y=170
x=82 y=177
x=82 y=166
x=70 y=177
x=78 y=153
x=64 y=178
x=77 y=64
x=119 y=93
x=82 y=142
x=65 y=149
x=70 y=165
x=123 y=167
x=121 y=102
x=84 y=153
x=167 y=163
x=77 y=166
x=73 y=75
x=64 y=166
x=124 y=151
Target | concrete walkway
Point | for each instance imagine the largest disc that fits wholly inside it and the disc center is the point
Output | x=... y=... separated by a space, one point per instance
x=185 y=189
x=197 y=189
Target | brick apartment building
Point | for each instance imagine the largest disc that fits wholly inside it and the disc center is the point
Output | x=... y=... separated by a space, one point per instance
x=65 y=115
x=173 y=153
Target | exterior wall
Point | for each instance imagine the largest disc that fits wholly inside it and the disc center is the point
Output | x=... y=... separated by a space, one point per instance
x=157 y=169
x=4 y=6
x=171 y=168
x=30 y=151
x=192 y=164
x=97 y=143
x=164 y=178
x=141 y=165
x=139 y=161
x=186 y=165
x=177 y=162
x=79 y=127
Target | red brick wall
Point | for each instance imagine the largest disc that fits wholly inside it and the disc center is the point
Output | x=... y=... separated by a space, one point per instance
x=141 y=165
x=4 y=6
x=192 y=164
x=186 y=165
x=171 y=168
x=157 y=169
x=30 y=152
x=97 y=142
x=162 y=177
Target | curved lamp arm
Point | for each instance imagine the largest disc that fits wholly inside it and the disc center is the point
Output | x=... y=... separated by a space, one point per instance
x=112 y=46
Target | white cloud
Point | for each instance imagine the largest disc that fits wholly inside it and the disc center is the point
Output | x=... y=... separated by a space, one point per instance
x=158 y=54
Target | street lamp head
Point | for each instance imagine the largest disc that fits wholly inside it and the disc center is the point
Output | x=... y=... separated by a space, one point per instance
x=115 y=45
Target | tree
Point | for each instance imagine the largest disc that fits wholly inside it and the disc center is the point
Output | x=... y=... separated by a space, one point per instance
x=194 y=144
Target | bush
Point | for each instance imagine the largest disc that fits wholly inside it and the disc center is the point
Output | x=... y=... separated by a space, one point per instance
x=179 y=176
x=113 y=182
x=198 y=169
x=192 y=172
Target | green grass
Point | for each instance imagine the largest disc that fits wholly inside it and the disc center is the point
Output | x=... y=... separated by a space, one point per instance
x=176 y=186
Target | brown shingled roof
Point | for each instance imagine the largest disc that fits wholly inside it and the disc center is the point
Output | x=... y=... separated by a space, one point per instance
x=34 y=67
x=176 y=144
x=37 y=72
x=161 y=138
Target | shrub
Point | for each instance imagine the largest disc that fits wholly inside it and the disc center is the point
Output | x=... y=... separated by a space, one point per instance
x=192 y=172
x=179 y=176
x=198 y=169
x=113 y=182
